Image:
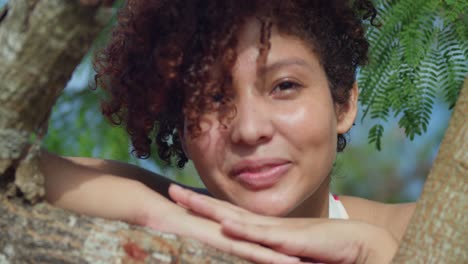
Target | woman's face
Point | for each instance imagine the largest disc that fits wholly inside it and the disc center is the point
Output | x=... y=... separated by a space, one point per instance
x=275 y=155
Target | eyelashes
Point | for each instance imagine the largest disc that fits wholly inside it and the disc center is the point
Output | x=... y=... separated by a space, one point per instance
x=281 y=89
x=286 y=85
x=285 y=88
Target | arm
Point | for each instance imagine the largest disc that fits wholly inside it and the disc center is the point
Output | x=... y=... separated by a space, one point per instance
x=102 y=188
x=152 y=180
x=313 y=239
x=393 y=217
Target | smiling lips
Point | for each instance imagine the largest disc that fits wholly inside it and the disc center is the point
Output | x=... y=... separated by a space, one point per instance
x=259 y=174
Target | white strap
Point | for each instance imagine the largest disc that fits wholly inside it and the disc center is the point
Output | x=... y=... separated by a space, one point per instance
x=336 y=209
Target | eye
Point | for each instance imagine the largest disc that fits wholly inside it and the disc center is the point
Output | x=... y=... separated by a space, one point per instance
x=286 y=87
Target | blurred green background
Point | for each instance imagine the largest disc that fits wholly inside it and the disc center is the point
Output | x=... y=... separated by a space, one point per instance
x=394 y=174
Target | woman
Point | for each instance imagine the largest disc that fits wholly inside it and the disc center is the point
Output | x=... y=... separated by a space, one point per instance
x=259 y=95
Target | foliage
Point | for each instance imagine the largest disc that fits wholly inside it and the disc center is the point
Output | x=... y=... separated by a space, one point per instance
x=419 y=50
x=396 y=174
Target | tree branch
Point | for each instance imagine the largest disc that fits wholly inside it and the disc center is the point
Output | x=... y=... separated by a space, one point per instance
x=45 y=234
x=42 y=42
x=438 y=230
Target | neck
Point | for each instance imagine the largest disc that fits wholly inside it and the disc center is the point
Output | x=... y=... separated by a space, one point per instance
x=316 y=205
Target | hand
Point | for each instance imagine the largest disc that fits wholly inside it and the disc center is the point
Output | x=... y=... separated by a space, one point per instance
x=328 y=241
x=215 y=209
x=169 y=217
x=324 y=240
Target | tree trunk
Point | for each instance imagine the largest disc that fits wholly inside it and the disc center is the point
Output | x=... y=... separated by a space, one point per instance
x=44 y=234
x=42 y=41
x=438 y=230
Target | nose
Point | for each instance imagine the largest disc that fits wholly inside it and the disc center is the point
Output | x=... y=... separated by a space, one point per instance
x=252 y=124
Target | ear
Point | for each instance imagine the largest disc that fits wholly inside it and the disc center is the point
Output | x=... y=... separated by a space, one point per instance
x=180 y=134
x=346 y=113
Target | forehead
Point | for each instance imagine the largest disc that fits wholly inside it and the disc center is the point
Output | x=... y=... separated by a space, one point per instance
x=283 y=48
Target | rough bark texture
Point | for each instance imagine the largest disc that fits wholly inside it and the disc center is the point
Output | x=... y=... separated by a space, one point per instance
x=41 y=42
x=44 y=234
x=438 y=232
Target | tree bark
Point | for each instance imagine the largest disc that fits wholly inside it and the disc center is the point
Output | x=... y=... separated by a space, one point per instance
x=42 y=42
x=44 y=234
x=438 y=230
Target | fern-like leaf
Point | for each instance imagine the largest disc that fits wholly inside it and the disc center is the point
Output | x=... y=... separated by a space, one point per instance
x=417 y=54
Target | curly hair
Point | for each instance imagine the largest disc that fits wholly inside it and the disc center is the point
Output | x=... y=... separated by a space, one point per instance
x=158 y=67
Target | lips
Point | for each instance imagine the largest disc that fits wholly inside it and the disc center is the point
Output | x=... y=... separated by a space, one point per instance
x=261 y=173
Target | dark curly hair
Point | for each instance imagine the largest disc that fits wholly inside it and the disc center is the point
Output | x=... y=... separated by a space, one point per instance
x=158 y=66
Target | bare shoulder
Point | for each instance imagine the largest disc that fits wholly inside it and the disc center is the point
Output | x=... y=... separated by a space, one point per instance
x=393 y=217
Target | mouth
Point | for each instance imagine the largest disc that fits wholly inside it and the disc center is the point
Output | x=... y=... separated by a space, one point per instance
x=260 y=174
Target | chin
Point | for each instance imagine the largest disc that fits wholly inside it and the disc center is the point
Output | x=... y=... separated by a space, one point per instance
x=272 y=211
x=268 y=208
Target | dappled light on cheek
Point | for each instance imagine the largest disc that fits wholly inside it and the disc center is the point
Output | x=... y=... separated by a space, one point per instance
x=202 y=142
x=295 y=116
x=208 y=147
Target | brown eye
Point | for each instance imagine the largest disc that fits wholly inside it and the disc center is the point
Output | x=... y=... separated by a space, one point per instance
x=286 y=86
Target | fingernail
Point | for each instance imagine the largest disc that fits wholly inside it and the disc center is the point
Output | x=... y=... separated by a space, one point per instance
x=176 y=187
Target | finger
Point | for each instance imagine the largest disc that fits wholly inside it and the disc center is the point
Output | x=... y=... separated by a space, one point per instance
x=266 y=235
x=258 y=254
x=327 y=241
x=219 y=210
x=216 y=209
x=206 y=206
x=180 y=194
x=210 y=233
x=284 y=239
x=184 y=195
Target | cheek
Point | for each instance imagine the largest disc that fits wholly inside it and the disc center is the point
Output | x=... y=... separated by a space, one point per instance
x=307 y=125
x=203 y=143
x=207 y=150
x=208 y=153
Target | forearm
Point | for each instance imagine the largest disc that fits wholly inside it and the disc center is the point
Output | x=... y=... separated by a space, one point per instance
x=378 y=245
x=92 y=192
x=154 y=181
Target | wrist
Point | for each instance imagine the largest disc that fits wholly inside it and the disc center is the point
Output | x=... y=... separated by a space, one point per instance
x=139 y=214
x=380 y=247
x=150 y=208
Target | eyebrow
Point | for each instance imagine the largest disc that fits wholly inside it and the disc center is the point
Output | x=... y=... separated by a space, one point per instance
x=286 y=62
